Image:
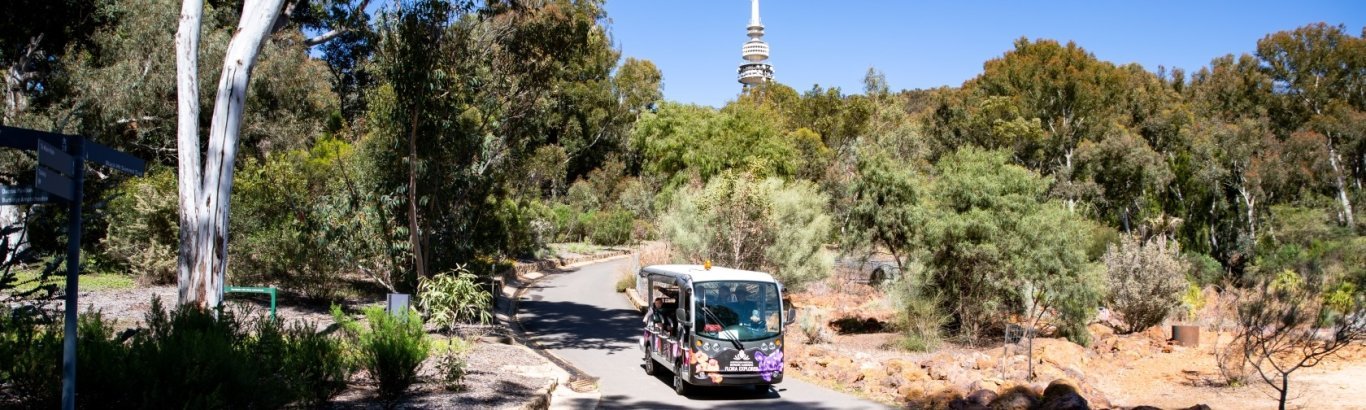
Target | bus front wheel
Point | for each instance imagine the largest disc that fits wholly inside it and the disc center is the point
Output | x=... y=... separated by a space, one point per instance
x=680 y=386
x=649 y=364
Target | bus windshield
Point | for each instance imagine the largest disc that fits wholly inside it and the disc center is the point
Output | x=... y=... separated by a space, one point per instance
x=737 y=310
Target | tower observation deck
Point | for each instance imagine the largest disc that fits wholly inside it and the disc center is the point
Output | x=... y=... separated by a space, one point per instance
x=755 y=69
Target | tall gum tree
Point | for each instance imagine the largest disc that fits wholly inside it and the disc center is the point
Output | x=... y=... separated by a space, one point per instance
x=205 y=189
x=205 y=183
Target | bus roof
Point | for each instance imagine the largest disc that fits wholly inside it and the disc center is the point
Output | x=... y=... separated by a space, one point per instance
x=697 y=273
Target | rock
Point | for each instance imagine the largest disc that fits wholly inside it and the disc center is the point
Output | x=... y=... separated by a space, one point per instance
x=895 y=366
x=822 y=361
x=940 y=399
x=914 y=374
x=910 y=393
x=982 y=397
x=871 y=376
x=989 y=384
x=943 y=371
x=984 y=362
x=1062 y=394
x=1016 y=398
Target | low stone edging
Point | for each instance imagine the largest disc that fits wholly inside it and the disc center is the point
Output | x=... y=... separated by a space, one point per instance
x=540 y=400
x=511 y=283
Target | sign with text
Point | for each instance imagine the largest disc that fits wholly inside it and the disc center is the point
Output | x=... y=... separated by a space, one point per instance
x=25 y=139
x=109 y=157
x=56 y=159
x=22 y=195
x=54 y=183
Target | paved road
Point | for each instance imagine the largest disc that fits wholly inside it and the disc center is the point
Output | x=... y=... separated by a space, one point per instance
x=579 y=317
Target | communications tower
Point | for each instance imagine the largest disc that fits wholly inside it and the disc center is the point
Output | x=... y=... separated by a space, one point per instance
x=755 y=69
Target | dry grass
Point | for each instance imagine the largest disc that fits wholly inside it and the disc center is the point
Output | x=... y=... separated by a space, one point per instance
x=626 y=280
x=655 y=254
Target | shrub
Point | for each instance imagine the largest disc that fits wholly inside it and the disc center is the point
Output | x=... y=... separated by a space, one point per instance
x=1146 y=281
x=186 y=358
x=918 y=315
x=30 y=352
x=996 y=246
x=451 y=360
x=742 y=222
x=391 y=349
x=1205 y=270
x=627 y=280
x=455 y=297
x=813 y=326
x=144 y=227
x=315 y=364
x=610 y=228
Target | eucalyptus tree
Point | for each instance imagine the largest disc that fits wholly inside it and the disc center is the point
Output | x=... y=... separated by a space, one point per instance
x=205 y=177
x=1317 y=70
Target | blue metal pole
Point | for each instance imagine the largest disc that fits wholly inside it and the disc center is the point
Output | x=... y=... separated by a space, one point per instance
x=73 y=269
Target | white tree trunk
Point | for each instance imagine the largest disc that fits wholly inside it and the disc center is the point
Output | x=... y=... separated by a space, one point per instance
x=1342 y=186
x=10 y=216
x=187 y=138
x=1251 y=205
x=205 y=195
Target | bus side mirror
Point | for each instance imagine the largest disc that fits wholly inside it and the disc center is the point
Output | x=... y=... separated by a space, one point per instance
x=790 y=317
x=681 y=314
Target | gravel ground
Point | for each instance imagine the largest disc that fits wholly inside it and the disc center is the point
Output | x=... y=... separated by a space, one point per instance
x=499 y=375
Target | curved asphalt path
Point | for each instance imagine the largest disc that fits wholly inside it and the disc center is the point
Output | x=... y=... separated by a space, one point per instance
x=578 y=316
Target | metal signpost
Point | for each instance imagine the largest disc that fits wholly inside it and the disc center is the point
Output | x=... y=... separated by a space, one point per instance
x=61 y=173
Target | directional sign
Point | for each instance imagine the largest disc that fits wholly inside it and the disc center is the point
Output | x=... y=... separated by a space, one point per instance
x=26 y=139
x=22 y=195
x=56 y=159
x=48 y=180
x=114 y=159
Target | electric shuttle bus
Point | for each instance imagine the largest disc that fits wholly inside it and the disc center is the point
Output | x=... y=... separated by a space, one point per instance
x=713 y=326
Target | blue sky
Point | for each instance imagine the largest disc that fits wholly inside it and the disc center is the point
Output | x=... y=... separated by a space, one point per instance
x=922 y=44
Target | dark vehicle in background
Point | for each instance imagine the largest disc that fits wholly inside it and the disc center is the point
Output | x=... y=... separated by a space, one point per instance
x=872 y=270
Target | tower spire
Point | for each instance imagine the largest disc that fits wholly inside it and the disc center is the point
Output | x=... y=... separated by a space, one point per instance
x=755 y=69
x=754 y=13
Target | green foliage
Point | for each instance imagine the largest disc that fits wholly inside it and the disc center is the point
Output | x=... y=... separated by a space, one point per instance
x=681 y=140
x=611 y=227
x=996 y=245
x=887 y=209
x=743 y=222
x=316 y=365
x=390 y=349
x=1192 y=300
x=1205 y=271
x=451 y=356
x=29 y=349
x=296 y=220
x=184 y=358
x=458 y=109
x=1147 y=279
x=143 y=234
x=455 y=297
x=918 y=314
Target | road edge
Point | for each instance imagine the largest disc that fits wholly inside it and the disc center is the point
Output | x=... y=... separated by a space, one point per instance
x=514 y=285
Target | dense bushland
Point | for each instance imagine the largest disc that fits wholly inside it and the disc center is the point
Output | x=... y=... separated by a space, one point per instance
x=182 y=357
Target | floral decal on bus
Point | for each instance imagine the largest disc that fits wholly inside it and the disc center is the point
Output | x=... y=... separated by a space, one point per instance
x=770 y=364
x=706 y=367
